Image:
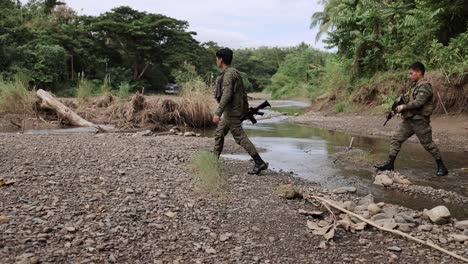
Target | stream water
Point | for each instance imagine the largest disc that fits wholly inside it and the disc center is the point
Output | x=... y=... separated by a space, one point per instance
x=306 y=151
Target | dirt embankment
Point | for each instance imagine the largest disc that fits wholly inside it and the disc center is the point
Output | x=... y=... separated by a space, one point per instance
x=119 y=198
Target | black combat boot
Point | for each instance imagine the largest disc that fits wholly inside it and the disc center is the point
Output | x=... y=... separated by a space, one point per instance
x=259 y=165
x=441 y=169
x=389 y=165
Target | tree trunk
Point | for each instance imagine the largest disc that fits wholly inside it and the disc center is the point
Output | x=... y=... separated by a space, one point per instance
x=49 y=101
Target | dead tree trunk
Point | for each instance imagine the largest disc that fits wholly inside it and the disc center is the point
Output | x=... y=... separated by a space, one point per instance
x=49 y=101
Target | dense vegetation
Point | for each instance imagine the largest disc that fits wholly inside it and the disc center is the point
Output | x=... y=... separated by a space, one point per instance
x=45 y=44
x=50 y=46
x=375 y=41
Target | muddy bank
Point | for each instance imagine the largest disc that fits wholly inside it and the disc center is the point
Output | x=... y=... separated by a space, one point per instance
x=449 y=132
x=121 y=198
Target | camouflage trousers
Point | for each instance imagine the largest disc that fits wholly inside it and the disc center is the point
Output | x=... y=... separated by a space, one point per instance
x=423 y=130
x=234 y=125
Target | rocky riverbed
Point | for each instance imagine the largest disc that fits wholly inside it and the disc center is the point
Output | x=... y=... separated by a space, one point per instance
x=120 y=198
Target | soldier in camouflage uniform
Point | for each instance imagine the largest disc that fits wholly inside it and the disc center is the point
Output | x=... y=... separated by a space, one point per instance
x=232 y=98
x=416 y=120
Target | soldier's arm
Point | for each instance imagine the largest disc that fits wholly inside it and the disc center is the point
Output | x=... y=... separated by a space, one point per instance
x=424 y=94
x=227 y=93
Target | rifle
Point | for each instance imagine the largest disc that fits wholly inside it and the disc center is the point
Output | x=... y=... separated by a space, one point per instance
x=255 y=111
x=400 y=101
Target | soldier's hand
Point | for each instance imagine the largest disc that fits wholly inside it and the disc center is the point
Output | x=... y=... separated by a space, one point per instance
x=400 y=108
x=216 y=119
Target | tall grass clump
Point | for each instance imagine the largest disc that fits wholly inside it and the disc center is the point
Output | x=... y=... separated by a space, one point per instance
x=208 y=173
x=15 y=98
x=85 y=90
x=343 y=107
x=124 y=90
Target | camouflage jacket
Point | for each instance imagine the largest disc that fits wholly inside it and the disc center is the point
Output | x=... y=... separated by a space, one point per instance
x=419 y=98
x=233 y=101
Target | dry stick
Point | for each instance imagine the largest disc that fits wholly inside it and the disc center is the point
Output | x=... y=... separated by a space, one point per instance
x=12 y=122
x=396 y=232
x=442 y=103
x=351 y=143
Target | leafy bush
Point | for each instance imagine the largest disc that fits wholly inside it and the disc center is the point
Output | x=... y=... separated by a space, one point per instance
x=453 y=58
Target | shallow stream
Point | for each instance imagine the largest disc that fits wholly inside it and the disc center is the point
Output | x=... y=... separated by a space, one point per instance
x=306 y=151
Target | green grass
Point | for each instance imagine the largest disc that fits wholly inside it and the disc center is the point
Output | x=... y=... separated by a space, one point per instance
x=15 y=98
x=124 y=90
x=208 y=173
x=86 y=89
x=343 y=107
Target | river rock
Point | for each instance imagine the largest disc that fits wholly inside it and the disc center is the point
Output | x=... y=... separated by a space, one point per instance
x=438 y=215
x=390 y=211
x=400 y=179
x=387 y=223
x=374 y=209
x=462 y=224
x=426 y=228
x=366 y=200
x=143 y=133
x=459 y=238
x=383 y=180
x=190 y=134
x=349 y=205
x=288 y=191
x=405 y=227
x=379 y=217
x=343 y=190
x=395 y=249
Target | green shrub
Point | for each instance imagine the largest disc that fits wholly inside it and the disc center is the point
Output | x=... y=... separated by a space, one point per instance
x=208 y=173
x=15 y=98
x=343 y=107
x=124 y=90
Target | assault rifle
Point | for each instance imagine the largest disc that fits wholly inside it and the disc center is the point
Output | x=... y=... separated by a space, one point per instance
x=255 y=111
x=400 y=101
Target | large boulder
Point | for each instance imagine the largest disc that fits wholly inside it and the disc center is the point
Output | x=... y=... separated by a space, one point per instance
x=439 y=215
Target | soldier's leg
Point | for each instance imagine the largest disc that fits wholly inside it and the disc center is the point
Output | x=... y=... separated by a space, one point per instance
x=423 y=131
x=220 y=133
x=241 y=138
x=404 y=132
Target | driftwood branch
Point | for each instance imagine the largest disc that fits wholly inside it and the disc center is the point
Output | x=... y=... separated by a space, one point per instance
x=351 y=143
x=14 y=123
x=395 y=232
x=49 y=101
x=442 y=103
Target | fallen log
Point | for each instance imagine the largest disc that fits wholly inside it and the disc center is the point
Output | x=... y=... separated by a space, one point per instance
x=50 y=102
